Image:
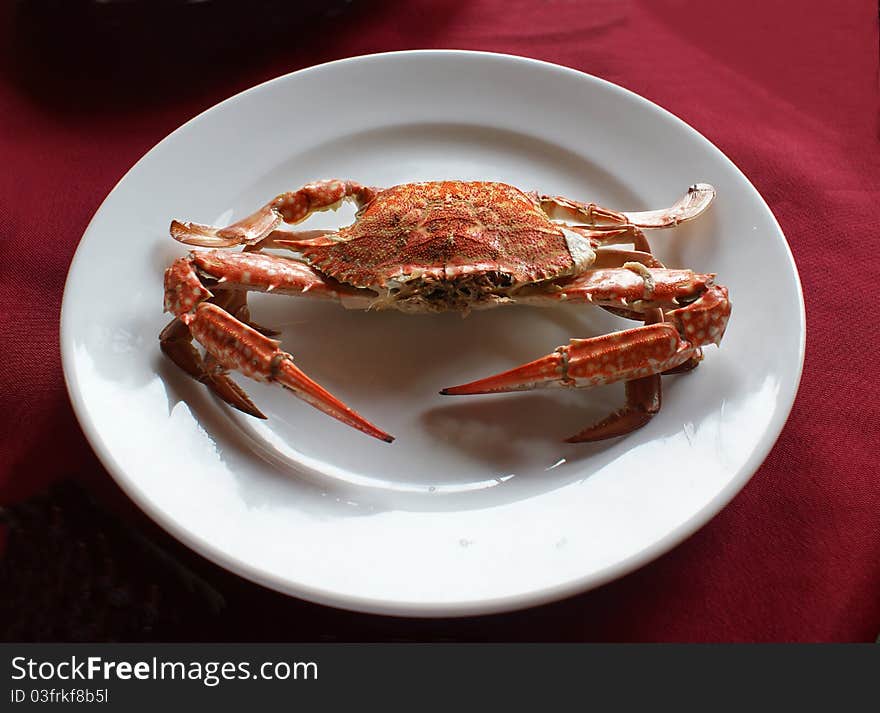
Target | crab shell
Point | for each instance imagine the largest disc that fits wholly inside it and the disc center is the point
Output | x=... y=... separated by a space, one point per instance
x=449 y=245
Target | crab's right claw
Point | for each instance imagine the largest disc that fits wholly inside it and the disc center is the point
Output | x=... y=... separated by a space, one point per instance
x=236 y=346
x=291 y=377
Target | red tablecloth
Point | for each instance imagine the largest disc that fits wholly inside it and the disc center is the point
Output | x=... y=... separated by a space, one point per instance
x=787 y=90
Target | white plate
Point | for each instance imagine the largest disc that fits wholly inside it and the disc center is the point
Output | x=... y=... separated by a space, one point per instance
x=477 y=507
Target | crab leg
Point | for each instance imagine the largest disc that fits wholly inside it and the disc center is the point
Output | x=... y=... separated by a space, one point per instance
x=231 y=344
x=643 y=400
x=615 y=257
x=590 y=215
x=633 y=288
x=235 y=302
x=692 y=204
x=176 y=343
x=642 y=404
x=291 y=207
x=599 y=237
x=619 y=356
x=289 y=238
x=633 y=354
x=701 y=322
x=258 y=272
x=602 y=226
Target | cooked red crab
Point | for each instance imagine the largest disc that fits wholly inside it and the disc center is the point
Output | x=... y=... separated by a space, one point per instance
x=447 y=245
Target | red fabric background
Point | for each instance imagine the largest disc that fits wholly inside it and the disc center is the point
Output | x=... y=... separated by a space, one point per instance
x=788 y=90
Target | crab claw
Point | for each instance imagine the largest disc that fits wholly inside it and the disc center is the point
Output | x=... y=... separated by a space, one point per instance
x=637 y=356
x=620 y=356
x=549 y=370
x=704 y=321
x=236 y=346
x=291 y=377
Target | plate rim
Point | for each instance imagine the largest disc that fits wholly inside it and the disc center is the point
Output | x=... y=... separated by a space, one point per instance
x=429 y=609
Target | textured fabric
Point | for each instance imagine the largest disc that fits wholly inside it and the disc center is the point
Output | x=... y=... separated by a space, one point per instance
x=787 y=90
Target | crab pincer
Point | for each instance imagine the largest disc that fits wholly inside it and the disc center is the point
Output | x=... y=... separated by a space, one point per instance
x=232 y=345
x=637 y=356
x=241 y=348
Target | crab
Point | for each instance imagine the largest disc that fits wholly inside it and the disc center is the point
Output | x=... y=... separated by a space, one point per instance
x=439 y=246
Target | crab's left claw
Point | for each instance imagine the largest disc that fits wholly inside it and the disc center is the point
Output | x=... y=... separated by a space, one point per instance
x=589 y=215
x=637 y=356
x=620 y=356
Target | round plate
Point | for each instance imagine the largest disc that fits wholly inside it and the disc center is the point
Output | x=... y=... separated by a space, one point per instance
x=477 y=506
